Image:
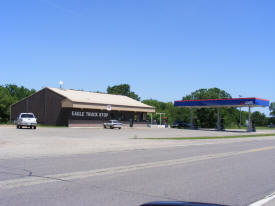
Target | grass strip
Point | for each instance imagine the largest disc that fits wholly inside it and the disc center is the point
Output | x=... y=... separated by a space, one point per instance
x=50 y=126
x=257 y=128
x=216 y=137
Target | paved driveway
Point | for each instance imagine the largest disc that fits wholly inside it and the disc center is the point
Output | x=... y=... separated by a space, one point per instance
x=16 y=143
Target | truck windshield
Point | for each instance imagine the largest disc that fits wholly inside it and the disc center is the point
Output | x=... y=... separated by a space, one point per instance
x=27 y=116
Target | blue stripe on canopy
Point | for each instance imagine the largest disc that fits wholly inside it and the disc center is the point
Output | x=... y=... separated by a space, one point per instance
x=234 y=102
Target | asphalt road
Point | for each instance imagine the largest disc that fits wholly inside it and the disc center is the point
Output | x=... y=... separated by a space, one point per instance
x=236 y=173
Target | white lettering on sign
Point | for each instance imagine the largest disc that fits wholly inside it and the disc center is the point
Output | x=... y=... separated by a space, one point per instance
x=248 y=103
x=89 y=114
x=78 y=114
x=103 y=115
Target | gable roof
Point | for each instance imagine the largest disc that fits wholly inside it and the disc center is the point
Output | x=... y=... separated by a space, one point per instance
x=85 y=97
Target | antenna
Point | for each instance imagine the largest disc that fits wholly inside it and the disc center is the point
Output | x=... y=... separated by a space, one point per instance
x=60 y=84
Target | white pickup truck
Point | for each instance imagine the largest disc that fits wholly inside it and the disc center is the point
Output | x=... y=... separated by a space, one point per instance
x=27 y=120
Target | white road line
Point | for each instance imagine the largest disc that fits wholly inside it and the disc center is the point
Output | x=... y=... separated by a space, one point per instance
x=264 y=201
x=34 y=180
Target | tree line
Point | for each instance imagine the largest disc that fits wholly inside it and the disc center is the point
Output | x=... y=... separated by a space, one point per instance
x=10 y=94
x=205 y=117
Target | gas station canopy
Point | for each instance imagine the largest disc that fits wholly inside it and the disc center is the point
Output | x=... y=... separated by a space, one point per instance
x=218 y=103
x=214 y=103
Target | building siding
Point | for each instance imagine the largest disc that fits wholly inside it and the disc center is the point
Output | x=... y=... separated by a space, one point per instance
x=46 y=106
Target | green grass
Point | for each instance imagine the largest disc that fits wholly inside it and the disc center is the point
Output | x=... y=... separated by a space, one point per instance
x=216 y=137
x=39 y=125
x=42 y=125
x=6 y=123
x=243 y=127
x=264 y=128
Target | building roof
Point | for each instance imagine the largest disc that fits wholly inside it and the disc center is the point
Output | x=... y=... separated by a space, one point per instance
x=80 y=98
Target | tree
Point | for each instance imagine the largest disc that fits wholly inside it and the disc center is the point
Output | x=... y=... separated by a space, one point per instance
x=123 y=89
x=10 y=94
x=271 y=120
x=5 y=101
x=207 y=117
x=212 y=93
x=259 y=118
x=19 y=92
x=272 y=109
x=160 y=106
x=172 y=113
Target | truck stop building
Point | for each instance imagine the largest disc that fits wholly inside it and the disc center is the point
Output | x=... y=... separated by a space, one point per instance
x=60 y=107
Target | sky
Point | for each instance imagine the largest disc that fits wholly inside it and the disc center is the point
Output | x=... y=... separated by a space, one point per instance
x=165 y=49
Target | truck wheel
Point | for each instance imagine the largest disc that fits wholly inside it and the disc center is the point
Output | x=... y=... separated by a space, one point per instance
x=34 y=127
x=30 y=127
x=104 y=127
x=17 y=126
x=119 y=128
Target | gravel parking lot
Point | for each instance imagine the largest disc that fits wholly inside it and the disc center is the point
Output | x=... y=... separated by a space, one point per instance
x=24 y=143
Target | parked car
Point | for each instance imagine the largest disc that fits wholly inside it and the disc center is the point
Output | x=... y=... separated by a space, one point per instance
x=180 y=124
x=26 y=120
x=112 y=124
x=271 y=125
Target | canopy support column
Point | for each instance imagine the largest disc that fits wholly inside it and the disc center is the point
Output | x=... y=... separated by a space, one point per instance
x=218 y=119
x=191 y=117
x=249 y=127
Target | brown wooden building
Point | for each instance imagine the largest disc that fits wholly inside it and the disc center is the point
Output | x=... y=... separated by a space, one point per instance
x=53 y=106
